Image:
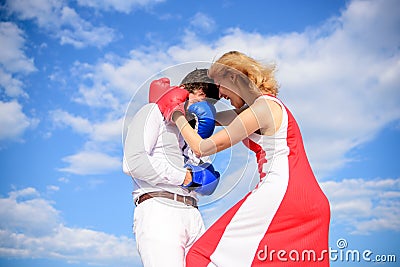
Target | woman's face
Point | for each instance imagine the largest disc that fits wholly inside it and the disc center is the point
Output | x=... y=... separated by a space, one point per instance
x=229 y=91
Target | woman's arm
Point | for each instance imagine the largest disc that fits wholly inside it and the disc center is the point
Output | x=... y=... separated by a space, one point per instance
x=255 y=117
x=225 y=117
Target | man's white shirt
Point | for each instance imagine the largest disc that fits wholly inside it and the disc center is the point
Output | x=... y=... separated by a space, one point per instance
x=153 y=153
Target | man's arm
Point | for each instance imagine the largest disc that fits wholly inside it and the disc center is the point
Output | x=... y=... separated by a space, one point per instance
x=141 y=138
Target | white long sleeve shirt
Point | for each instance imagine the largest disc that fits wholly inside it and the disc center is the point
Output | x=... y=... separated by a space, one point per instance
x=153 y=153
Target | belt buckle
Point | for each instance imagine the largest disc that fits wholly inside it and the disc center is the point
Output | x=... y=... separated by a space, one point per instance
x=185 y=202
x=137 y=201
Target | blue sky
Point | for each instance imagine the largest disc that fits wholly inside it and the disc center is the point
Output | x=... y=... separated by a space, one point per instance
x=69 y=71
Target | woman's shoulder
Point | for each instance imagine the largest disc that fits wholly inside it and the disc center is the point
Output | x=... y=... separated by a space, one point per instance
x=267 y=101
x=270 y=109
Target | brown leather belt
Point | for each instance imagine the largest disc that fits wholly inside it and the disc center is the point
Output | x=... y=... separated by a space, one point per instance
x=188 y=200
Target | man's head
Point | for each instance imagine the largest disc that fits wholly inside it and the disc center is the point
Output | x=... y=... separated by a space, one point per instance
x=200 y=86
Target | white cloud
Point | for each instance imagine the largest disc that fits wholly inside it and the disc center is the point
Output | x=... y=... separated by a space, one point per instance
x=83 y=33
x=63 y=180
x=53 y=188
x=202 y=22
x=12 y=86
x=77 y=123
x=13 y=61
x=13 y=121
x=24 y=211
x=364 y=206
x=104 y=131
x=62 y=22
x=125 y=6
x=41 y=10
x=338 y=73
x=113 y=80
x=12 y=55
x=88 y=162
x=108 y=131
x=102 y=137
x=99 y=97
x=30 y=227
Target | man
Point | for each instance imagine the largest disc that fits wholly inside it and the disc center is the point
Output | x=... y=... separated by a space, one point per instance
x=166 y=219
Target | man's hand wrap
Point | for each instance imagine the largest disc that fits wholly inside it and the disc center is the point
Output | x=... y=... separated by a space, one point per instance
x=204 y=114
x=204 y=178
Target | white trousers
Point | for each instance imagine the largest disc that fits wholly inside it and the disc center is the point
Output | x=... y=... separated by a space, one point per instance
x=165 y=230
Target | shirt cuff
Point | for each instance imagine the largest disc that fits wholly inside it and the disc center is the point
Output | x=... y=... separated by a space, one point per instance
x=178 y=177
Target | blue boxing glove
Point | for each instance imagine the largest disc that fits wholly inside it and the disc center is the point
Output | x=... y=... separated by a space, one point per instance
x=204 y=178
x=204 y=114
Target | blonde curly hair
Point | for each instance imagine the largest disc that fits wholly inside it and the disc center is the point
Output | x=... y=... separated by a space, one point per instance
x=262 y=76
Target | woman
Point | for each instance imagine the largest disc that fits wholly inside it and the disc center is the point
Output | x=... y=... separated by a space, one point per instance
x=284 y=221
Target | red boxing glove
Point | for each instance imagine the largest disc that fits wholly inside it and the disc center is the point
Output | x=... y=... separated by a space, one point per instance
x=173 y=100
x=158 y=88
